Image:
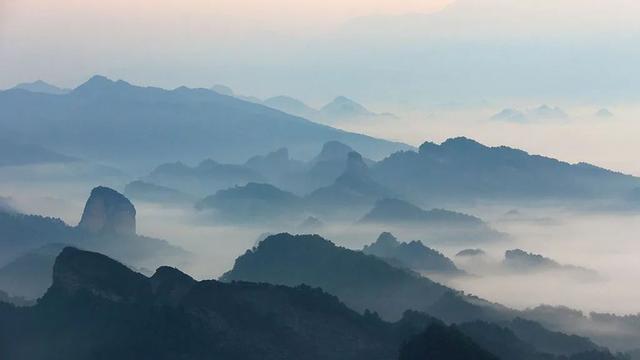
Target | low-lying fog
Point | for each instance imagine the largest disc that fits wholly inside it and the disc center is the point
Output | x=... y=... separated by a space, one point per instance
x=604 y=242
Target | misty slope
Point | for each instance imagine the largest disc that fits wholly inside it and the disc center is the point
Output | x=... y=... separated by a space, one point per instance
x=463 y=169
x=118 y=123
x=412 y=255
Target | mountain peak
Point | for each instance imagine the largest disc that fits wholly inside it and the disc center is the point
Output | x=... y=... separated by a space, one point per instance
x=344 y=107
x=108 y=212
x=332 y=151
x=43 y=87
x=98 y=84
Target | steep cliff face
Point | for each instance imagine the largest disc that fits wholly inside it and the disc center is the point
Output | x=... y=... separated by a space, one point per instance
x=108 y=212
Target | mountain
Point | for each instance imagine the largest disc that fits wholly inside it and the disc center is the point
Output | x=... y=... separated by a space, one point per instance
x=365 y=282
x=511 y=115
x=223 y=90
x=279 y=169
x=97 y=307
x=107 y=212
x=144 y=191
x=361 y=281
x=439 y=342
x=352 y=191
x=204 y=179
x=462 y=169
x=292 y=106
x=131 y=126
x=522 y=261
x=40 y=86
x=108 y=225
x=253 y=203
x=412 y=255
x=442 y=224
x=344 y=108
x=17 y=154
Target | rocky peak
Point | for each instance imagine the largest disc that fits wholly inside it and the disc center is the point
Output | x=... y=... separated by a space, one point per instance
x=108 y=212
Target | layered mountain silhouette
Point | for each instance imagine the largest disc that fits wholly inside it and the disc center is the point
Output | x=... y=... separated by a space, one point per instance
x=170 y=315
x=127 y=125
x=97 y=305
x=412 y=255
x=465 y=170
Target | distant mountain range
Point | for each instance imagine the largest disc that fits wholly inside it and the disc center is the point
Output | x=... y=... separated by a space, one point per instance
x=40 y=86
x=462 y=169
x=130 y=126
x=543 y=112
x=340 y=109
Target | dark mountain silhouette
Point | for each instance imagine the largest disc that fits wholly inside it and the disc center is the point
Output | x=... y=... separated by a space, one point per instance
x=504 y=343
x=253 y=202
x=98 y=307
x=107 y=225
x=412 y=255
x=465 y=170
x=144 y=191
x=354 y=190
x=439 y=342
x=15 y=154
x=40 y=86
x=127 y=125
x=551 y=342
x=361 y=281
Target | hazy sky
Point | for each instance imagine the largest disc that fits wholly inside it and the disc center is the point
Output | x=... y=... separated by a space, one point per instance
x=411 y=50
